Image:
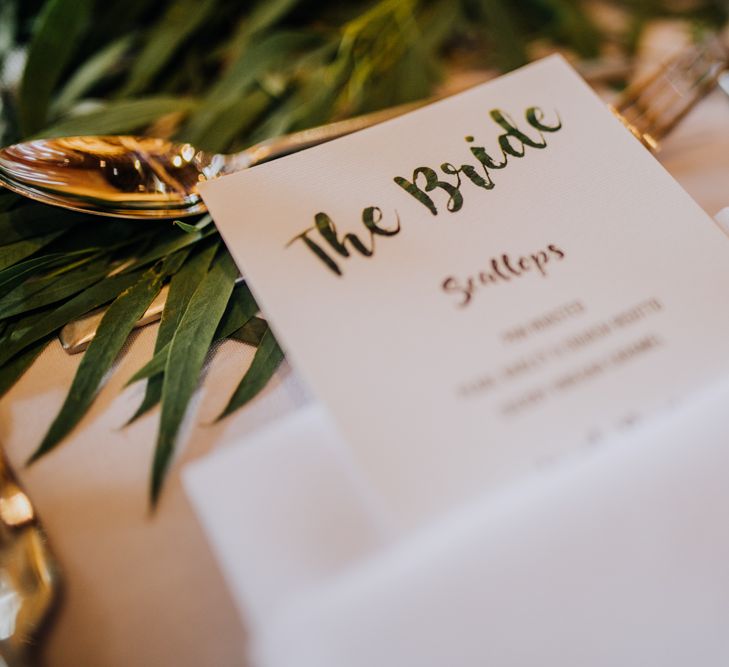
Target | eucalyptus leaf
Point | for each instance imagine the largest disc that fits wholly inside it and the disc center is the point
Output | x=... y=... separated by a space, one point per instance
x=113 y=331
x=91 y=72
x=180 y=21
x=263 y=16
x=30 y=220
x=252 y=63
x=119 y=117
x=186 y=227
x=572 y=23
x=182 y=288
x=8 y=27
x=251 y=333
x=503 y=29
x=201 y=224
x=169 y=243
x=9 y=200
x=117 y=16
x=155 y=366
x=188 y=349
x=52 y=288
x=13 y=276
x=240 y=309
x=57 y=32
x=229 y=122
x=267 y=359
x=85 y=301
x=15 y=252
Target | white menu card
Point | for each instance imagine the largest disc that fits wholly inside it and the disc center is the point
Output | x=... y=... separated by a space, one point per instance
x=482 y=285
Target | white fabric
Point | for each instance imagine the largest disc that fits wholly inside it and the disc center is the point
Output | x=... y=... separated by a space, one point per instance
x=618 y=556
x=284 y=510
x=144 y=590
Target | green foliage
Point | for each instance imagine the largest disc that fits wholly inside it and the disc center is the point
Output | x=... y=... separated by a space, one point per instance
x=187 y=350
x=179 y=22
x=113 y=331
x=119 y=117
x=267 y=359
x=182 y=289
x=221 y=74
x=57 y=31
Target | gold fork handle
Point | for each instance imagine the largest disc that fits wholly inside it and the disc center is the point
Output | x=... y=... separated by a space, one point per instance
x=651 y=107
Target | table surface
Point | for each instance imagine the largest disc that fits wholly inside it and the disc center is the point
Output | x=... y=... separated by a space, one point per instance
x=142 y=589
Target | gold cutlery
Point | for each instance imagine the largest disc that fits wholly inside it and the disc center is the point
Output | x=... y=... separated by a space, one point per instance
x=29 y=577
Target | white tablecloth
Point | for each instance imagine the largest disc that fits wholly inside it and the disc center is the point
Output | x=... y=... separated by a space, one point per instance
x=143 y=589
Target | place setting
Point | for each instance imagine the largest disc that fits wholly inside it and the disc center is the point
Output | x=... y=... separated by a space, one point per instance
x=386 y=334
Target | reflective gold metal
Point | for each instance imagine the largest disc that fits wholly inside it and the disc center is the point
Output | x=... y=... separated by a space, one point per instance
x=29 y=577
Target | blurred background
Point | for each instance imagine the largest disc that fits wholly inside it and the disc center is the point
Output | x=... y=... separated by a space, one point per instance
x=223 y=74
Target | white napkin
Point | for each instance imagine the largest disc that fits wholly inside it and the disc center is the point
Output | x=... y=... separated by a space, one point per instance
x=620 y=558
x=615 y=556
x=283 y=509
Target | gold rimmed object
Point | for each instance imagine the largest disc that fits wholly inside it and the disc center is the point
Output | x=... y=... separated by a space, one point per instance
x=653 y=105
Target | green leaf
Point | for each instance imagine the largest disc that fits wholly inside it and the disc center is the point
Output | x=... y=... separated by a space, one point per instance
x=182 y=287
x=251 y=333
x=119 y=16
x=188 y=348
x=51 y=288
x=9 y=200
x=11 y=372
x=31 y=220
x=155 y=366
x=50 y=322
x=14 y=252
x=58 y=30
x=502 y=28
x=113 y=331
x=229 y=122
x=267 y=359
x=573 y=24
x=241 y=308
x=91 y=72
x=263 y=16
x=170 y=243
x=119 y=117
x=242 y=74
x=8 y=27
x=185 y=227
x=180 y=20
x=15 y=275
x=199 y=225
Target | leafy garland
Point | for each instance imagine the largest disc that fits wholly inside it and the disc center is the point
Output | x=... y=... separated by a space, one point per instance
x=219 y=77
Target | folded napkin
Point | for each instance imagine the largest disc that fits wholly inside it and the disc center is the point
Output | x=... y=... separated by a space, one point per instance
x=618 y=555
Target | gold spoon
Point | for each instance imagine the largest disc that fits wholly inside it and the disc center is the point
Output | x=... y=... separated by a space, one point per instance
x=145 y=177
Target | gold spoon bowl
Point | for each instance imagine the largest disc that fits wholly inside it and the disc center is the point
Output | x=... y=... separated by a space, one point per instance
x=111 y=175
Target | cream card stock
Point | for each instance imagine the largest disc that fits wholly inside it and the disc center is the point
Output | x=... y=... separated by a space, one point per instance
x=482 y=285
